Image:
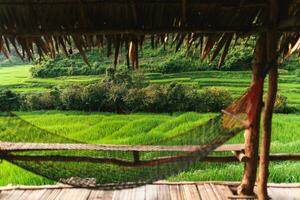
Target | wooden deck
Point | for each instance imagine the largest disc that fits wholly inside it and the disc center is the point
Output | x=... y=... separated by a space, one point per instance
x=157 y=191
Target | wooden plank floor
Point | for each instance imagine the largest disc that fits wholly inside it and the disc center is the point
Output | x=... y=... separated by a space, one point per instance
x=158 y=191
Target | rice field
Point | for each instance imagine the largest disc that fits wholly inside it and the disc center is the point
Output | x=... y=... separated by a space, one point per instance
x=115 y=128
x=18 y=78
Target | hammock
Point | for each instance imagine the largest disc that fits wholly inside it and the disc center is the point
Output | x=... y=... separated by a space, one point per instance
x=117 y=166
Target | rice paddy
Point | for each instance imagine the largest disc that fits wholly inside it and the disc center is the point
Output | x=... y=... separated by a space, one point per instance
x=18 y=78
x=114 y=128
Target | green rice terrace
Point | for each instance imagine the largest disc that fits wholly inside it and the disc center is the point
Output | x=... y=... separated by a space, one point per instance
x=117 y=129
x=18 y=78
x=136 y=128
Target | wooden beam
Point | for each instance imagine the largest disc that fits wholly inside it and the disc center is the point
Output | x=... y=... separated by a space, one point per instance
x=140 y=163
x=240 y=155
x=145 y=31
x=215 y=3
x=131 y=30
x=6 y=147
x=285 y=157
x=242 y=197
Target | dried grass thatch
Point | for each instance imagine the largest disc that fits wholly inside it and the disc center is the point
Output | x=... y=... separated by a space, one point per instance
x=50 y=26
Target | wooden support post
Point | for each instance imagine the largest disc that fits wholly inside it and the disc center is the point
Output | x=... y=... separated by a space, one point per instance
x=136 y=156
x=271 y=49
x=266 y=137
x=252 y=133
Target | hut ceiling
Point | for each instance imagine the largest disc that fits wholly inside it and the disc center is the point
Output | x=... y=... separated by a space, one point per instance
x=47 y=26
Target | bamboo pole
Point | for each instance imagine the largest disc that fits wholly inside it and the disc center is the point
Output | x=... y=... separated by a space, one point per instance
x=252 y=133
x=272 y=59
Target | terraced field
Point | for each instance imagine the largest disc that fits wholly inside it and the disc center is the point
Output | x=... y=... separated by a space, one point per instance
x=114 y=128
x=18 y=78
x=133 y=129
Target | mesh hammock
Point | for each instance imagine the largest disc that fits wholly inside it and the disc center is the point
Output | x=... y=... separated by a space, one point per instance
x=117 y=166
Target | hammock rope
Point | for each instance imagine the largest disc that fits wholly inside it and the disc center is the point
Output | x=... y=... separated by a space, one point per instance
x=117 y=166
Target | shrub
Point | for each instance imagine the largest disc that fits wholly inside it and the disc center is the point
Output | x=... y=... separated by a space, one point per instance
x=135 y=100
x=9 y=100
x=32 y=102
x=156 y=100
x=175 y=63
x=108 y=96
x=95 y=97
x=178 y=98
x=118 y=77
x=281 y=105
x=298 y=73
x=291 y=64
x=71 y=97
x=139 y=80
x=240 y=57
x=44 y=100
x=214 y=99
x=52 y=99
x=67 y=66
x=127 y=92
x=116 y=96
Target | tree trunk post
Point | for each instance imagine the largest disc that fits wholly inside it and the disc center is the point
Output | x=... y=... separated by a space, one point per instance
x=272 y=59
x=252 y=133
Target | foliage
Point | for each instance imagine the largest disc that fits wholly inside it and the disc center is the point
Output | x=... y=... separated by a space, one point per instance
x=180 y=61
x=123 y=98
x=298 y=72
x=18 y=79
x=158 y=60
x=49 y=71
x=45 y=100
x=71 y=65
x=291 y=63
x=156 y=99
x=180 y=97
x=71 y=97
x=163 y=60
x=135 y=99
x=9 y=100
x=281 y=105
x=95 y=97
x=214 y=99
x=240 y=56
x=11 y=61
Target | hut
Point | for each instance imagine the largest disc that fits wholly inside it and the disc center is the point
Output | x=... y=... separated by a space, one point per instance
x=212 y=26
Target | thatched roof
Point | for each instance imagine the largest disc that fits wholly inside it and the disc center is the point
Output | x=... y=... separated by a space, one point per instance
x=45 y=26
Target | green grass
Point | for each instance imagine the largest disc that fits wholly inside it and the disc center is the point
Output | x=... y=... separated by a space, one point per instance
x=140 y=127
x=18 y=78
x=137 y=128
